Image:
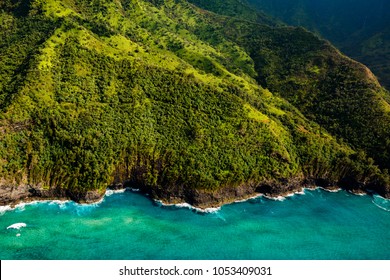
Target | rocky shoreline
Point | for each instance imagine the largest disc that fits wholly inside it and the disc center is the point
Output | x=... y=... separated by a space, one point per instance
x=11 y=195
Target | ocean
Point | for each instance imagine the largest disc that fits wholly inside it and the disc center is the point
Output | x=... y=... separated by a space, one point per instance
x=313 y=225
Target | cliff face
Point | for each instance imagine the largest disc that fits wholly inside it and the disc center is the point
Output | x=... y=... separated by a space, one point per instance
x=181 y=102
x=177 y=194
x=13 y=195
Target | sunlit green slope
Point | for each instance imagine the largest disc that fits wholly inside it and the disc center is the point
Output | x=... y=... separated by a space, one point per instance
x=173 y=99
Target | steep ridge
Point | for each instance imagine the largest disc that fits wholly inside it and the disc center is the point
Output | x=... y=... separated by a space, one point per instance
x=340 y=94
x=164 y=96
x=359 y=28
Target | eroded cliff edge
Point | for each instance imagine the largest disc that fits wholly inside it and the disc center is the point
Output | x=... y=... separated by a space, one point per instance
x=13 y=195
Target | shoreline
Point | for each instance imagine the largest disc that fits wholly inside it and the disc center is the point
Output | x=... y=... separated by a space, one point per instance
x=202 y=199
x=189 y=206
x=161 y=203
x=59 y=201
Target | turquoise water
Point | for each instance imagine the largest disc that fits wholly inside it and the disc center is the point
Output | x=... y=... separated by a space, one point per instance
x=316 y=225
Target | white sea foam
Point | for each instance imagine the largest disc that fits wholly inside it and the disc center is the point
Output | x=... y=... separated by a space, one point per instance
x=207 y=210
x=359 y=194
x=330 y=190
x=17 y=235
x=4 y=209
x=243 y=200
x=58 y=202
x=110 y=192
x=283 y=198
x=250 y=198
x=277 y=198
x=21 y=206
x=204 y=210
x=290 y=195
x=301 y=192
x=381 y=202
x=62 y=204
x=69 y=204
x=189 y=206
x=381 y=207
x=17 y=226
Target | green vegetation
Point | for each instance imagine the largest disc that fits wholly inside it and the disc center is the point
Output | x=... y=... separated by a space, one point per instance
x=163 y=94
x=336 y=92
x=359 y=28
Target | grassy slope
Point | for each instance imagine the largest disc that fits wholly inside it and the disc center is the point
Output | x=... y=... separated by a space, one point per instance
x=94 y=92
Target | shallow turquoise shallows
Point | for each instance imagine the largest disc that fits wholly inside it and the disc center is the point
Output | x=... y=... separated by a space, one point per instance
x=314 y=225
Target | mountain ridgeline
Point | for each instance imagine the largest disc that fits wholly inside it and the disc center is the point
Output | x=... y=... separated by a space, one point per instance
x=196 y=101
x=360 y=28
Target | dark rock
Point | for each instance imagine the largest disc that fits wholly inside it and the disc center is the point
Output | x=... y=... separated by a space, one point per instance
x=180 y=193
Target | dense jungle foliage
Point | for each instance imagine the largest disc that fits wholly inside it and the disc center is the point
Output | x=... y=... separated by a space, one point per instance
x=165 y=93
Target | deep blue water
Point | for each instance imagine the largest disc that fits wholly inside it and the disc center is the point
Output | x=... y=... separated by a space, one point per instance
x=316 y=225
